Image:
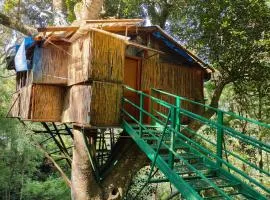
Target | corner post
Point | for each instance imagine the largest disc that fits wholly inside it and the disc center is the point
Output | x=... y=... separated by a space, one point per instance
x=173 y=125
x=220 y=136
x=178 y=113
x=141 y=111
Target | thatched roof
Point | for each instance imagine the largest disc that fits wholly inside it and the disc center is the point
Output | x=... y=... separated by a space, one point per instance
x=120 y=28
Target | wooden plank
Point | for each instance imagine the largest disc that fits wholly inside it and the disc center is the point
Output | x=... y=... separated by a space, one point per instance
x=110 y=34
x=143 y=47
x=131 y=29
x=114 y=20
x=58 y=28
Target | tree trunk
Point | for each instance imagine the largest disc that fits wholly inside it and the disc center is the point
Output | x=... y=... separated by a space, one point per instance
x=16 y=25
x=84 y=185
x=196 y=125
x=88 y=9
x=59 y=8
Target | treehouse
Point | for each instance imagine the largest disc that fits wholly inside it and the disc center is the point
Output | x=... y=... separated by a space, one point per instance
x=76 y=74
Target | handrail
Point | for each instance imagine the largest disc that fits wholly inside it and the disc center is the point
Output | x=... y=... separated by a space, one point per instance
x=203 y=149
x=200 y=118
x=188 y=164
x=215 y=109
x=177 y=128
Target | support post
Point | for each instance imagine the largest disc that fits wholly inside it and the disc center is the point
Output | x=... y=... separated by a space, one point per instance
x=141 y=112
x=173 y=125
x=178 y=114
x=152 y=106
x=220 y=135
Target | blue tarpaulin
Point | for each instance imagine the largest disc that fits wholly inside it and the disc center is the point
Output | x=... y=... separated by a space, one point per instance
x=20 y=58
x=173 y=46
x=37 y=69
x=28 y=42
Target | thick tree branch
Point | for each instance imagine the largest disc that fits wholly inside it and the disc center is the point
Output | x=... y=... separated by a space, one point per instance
x=196 y=125
x=16 y=25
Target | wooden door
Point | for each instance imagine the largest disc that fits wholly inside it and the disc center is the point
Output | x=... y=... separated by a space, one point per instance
x=132 y=78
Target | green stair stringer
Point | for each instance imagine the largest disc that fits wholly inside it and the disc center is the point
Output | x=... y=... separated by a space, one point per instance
x=187 y=191
x=200 y=168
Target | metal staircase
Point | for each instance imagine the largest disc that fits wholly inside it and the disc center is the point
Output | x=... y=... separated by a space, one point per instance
x=200 y=166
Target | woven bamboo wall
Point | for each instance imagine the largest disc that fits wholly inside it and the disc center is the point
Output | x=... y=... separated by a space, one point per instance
x=98 y=57
x=42 y=103
x=47 y=103
x=97 y=104
x=186 y=81
x=25 y=102
x=52 y=66
x=78 y=69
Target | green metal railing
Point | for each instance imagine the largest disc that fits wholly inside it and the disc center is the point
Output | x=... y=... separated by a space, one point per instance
x=169 y=114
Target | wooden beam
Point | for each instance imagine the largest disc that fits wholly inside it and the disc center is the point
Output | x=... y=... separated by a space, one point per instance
x=58 y=28
x=114 y=20
x=143 y=47
x=110 y=34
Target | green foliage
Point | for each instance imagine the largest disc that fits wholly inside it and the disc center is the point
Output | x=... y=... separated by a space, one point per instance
x=10 y=5
x=70 y=9
x=21 y=163
x=123 y=8
x=51 y=189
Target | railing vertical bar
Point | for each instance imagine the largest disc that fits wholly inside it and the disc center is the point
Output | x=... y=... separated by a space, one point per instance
x=172 y=134
x=178 y=115
x=141 y=113
x=220 y=136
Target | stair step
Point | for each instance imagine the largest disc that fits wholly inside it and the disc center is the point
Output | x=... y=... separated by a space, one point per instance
x=233 y=195
x=136 y=126
x=158 y=180
x=186 y=156
x=184 y=169
x=200 y=184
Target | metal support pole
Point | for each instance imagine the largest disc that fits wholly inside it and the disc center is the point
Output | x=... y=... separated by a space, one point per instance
x=220 y=135
x=141 y=112
x=178 y=113
x=57 y=142
x=173 y=124
x=60 y=139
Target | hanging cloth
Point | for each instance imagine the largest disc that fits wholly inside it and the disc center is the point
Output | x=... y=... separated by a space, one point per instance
x=20 y=59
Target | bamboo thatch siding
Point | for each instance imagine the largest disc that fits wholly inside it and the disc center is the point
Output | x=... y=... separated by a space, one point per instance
x=25 y=102
x=21 y=103
x=47 y=103
x=42 y=103
x=108 y=58
x=79 y=64
x=97 y=104
x=98 y=57
x=52 y=66
x=180 y=80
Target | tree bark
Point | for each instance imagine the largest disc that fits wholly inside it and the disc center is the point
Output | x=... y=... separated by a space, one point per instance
x=59 y=6
x=83 y=184
x=129 y=159
x=88 y=9
x=16 y=25
x=60 y=10
x=196 y=125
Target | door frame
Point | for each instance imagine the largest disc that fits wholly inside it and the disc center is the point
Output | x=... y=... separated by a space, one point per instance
x=139 y=69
